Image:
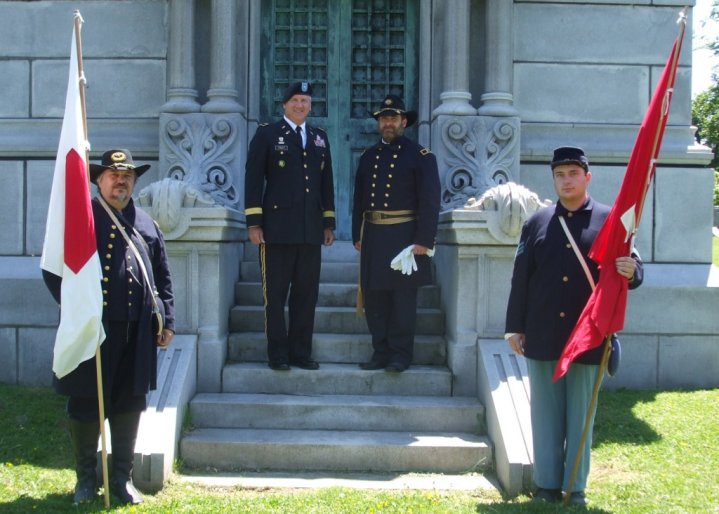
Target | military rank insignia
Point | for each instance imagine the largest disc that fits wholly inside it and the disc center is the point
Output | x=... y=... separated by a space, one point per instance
x=281 y=164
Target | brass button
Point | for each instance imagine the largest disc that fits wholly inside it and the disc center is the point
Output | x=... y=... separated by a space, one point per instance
x=372 y=195
x=569 y=215
x=565 y=279
x=388 y=186
x=114 y=227
x=104 y=291
x=307 y=189
x=104 y=304
x=129 y=280
x=275 y=206
x=391 y=165
x=109 y=245
x=374 y=175
x=569 y=245
x=305 y=165
x=129 y=292
x=307 y=177
x=107 y=268
x=372 y=204
x=395 y=156
x=390 y=175
x=375 y=166
x=387 y=195
x=105 y=279
x=108 y=256
x=373 y=184
x=129 y=304
x=386 y=205
x=561 y=314
x=112 y=236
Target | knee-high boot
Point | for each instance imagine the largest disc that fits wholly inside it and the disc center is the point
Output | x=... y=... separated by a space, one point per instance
x=84 y=436
x=123 y=430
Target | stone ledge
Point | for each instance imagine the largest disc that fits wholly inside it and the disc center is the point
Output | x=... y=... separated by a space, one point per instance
x=161 y=424
x=504 y=391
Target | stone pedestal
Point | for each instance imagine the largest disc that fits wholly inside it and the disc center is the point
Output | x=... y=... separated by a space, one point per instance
x=204 y=243
x=473 y=264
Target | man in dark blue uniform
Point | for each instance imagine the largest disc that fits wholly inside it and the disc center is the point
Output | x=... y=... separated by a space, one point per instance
x=289 y=207
x=549 y=291
x=128 y=354
x=396 y=204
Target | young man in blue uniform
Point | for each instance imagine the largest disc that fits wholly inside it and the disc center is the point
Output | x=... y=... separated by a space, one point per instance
x=548 y=293
x=289 y=207
x=129 y=352
x=396 y=204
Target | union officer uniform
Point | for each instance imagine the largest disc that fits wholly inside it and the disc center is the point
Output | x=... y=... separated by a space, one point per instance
x=548 y=293
x=289 y=193
x=129 y=352
x=396 y=204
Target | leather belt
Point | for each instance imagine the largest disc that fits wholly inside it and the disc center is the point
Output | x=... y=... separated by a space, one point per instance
x=389 y=217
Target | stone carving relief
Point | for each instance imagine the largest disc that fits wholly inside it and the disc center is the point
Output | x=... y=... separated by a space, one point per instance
x=480 y=152
x=166 y=199
x=513 y=204
x=199 y=149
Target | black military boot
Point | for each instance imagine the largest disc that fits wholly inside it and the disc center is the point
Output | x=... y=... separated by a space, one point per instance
x=84 y=445
x=123 y=432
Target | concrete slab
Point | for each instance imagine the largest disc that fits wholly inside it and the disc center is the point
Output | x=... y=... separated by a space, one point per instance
x=12 y=184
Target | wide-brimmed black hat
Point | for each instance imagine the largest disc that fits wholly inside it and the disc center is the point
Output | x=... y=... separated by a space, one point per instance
x=116 y=159
x=393 y=104
x=298 y=88
x=569 y=155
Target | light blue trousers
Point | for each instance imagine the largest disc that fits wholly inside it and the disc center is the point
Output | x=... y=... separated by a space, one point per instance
x=558 y=412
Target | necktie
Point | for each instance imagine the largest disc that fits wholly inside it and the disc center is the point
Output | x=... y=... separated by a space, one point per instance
x=299 y=133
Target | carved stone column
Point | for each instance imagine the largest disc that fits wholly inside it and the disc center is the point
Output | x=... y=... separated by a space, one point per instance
x=181 y=92
x=223 y=59
x=456 y=96
x=497 y=99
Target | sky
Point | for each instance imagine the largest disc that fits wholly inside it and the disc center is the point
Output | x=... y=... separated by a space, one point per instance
x=703 y=60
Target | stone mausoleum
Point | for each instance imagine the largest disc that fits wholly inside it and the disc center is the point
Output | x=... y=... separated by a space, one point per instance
x=497 y=85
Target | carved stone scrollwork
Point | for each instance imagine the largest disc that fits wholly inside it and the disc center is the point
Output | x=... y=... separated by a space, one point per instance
x=199 y=149
x=479 y=153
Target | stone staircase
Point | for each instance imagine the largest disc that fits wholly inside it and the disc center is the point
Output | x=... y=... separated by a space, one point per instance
x=339 y=418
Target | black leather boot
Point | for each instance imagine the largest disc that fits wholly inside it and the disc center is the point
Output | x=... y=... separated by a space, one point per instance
x=84 y=437
x=123 y=431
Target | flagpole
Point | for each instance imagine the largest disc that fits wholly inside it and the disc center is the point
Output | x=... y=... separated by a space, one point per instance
x=588 y=418
x=607 y=342
x=665 y=112
x=98 y=360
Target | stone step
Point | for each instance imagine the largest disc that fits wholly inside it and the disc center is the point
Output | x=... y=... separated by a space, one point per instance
x=342 y=320
x=331 y=295
x=348 y=348
x=331 y=272
x=265 y=449
x=337 y=412
x=251 y=377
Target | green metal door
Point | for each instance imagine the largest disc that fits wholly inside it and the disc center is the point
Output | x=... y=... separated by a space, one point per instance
x=354 y=52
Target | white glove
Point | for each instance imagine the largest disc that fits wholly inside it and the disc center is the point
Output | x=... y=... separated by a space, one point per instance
x=405 y=262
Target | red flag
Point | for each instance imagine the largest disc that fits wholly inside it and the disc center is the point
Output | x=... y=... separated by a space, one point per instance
x=69 y=250
x=605 y=309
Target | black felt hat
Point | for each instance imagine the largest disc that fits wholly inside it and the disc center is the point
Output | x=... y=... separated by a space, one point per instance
x=298 y=88
x=116 y=159
x=569 y=155
x=393 y=104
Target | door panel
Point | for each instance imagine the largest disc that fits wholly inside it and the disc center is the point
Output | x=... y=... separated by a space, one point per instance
x=354 y=52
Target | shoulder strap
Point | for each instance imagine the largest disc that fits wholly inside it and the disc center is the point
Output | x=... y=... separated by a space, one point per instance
x=577 y=252
x=138 y=257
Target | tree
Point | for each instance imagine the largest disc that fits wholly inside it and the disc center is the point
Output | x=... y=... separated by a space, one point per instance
x=705 y=111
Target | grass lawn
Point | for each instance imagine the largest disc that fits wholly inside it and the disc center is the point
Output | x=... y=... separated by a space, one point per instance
x=654 y=452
